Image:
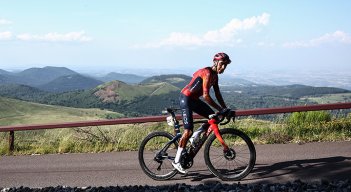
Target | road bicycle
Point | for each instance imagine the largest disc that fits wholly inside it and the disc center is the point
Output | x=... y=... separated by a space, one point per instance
x=229 y=153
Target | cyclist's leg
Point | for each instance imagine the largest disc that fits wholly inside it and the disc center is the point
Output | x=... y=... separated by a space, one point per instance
x=187 y=116
x=202 y=109
x=187 y=112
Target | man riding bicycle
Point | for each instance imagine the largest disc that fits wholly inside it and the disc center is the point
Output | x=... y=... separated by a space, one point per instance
x=190 y=102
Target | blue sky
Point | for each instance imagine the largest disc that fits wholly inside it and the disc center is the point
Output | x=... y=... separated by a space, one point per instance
x=176 y=35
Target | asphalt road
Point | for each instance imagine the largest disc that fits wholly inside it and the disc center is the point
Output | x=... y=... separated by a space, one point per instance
x=275 y=163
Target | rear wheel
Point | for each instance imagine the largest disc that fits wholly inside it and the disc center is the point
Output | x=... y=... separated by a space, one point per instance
x=155 y=162
x=234 y=164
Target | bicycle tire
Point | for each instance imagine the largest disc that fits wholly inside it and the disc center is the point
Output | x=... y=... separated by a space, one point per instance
x=148 y=150
x=236 y=167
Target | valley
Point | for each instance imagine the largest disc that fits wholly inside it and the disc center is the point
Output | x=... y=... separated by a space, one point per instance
x=18 y=112
x=149 y=95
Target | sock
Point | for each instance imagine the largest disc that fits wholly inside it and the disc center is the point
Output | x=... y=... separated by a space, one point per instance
x=179 y=153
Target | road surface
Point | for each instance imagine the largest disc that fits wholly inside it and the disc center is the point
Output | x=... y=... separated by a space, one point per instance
x=275 y=163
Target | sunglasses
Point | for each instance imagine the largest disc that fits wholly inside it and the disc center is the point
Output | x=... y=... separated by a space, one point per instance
x=225 y=62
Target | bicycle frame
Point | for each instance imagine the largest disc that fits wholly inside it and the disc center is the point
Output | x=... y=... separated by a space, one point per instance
x=214 y=121
x=212 y=128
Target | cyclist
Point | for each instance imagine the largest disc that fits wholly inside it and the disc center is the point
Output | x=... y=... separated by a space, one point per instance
x=190 y=102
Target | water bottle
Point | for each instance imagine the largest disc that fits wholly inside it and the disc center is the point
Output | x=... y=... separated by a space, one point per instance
x=194 y=139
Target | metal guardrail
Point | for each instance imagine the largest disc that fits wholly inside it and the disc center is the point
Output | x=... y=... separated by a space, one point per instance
x=248 y=112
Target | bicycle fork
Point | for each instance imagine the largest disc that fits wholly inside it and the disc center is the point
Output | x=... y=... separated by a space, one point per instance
x=214 y=127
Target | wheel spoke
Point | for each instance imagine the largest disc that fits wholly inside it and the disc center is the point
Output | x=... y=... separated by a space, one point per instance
x=156 y=166
x=235 y=165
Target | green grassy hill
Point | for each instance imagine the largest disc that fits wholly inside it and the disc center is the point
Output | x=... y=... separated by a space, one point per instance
x=177 y=80
x=330 y=98
x=117 y=91
x=15 y=112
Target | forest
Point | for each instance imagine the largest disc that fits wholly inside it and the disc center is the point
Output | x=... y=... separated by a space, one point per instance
x=236 y=97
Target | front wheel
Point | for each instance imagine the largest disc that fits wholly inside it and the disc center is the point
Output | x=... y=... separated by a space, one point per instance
x=237 y=162
x=155 y=156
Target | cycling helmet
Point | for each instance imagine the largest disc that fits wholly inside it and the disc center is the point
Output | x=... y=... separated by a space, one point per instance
x=222 y=56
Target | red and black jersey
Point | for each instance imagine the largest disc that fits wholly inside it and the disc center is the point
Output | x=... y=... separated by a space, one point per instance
x=201 y=83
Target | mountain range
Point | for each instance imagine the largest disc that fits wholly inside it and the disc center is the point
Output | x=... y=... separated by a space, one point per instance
x=61 y=79
x=144 y=95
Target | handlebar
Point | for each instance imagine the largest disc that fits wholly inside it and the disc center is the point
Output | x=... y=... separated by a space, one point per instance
x=221 y=116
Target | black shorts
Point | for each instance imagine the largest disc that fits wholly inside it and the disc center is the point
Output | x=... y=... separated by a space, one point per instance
x=188 y=106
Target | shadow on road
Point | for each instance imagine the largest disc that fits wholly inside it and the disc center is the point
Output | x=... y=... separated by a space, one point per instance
x=331 y=168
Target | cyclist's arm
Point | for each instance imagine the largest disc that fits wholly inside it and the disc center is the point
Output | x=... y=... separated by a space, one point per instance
x=206 y=93
x=219 y=95
x=211 y=102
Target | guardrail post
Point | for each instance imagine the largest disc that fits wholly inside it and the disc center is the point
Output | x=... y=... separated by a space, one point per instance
x=11 y=141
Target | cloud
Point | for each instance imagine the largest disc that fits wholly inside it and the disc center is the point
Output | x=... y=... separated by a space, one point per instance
x=56 y=37
x=225 y=35
x=49 y=37
x=7 y=35
x=336 y=37
x=265 y=44
x=5 y=22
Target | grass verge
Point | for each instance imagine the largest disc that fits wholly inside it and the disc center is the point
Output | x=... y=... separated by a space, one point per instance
x=298 y=127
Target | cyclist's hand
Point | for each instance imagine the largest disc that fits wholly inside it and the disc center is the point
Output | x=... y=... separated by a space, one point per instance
x=225 y=111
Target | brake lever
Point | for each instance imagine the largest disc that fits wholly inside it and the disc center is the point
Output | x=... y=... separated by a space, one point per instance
x=226 y=122
x=229 y=117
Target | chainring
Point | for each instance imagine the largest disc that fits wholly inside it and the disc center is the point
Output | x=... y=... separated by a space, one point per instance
x=186 y=161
